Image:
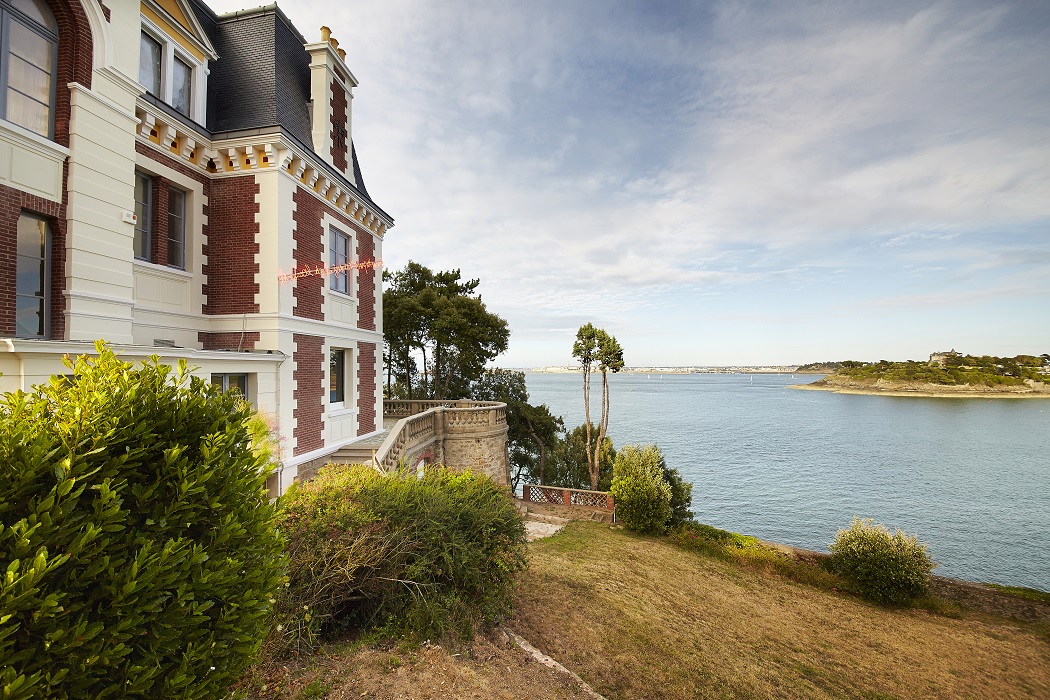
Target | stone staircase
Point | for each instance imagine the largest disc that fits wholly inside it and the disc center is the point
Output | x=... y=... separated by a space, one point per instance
x=359 y=451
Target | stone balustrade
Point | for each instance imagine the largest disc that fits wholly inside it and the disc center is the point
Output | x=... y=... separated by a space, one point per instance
x=461 y=434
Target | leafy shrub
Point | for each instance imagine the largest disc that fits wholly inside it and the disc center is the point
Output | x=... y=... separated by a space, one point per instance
x=568 y=466
x=429 y=557
x=885 y=567
x=138 y=543
x=681 y=496
x=643 y=498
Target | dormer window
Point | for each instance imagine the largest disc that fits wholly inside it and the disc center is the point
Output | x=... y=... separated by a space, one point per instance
x=27 y=65
x=171 y=73
x=150 y=58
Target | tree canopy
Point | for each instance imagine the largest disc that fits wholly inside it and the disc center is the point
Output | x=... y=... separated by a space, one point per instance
x=533 y=430
x=594 y=346
x=440 y=318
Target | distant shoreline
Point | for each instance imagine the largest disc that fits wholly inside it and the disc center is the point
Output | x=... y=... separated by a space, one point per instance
x=931 y=391
x=673 y=370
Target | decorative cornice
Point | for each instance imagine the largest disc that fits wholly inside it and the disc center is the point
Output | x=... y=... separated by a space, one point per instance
x=256 y=152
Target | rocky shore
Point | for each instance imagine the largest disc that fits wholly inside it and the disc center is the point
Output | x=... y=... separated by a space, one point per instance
x=882 y=387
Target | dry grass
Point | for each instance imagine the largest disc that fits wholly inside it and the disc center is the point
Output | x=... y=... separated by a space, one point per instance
x=636 y=617
x=489 y=667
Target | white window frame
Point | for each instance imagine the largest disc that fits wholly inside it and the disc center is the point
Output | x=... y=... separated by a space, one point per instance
x=334 y=231
x=348 y=404
x=170 y=49
x=182 y=218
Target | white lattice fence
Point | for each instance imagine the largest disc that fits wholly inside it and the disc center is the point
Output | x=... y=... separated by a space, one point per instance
x=536 y=493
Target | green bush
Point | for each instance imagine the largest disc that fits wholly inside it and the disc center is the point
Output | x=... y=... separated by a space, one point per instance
x=138 y=543
x=643 y=497
x=428 y=557
x=885 y=567
x=681 y=496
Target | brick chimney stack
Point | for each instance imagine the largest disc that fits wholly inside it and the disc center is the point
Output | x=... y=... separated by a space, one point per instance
x=331 y=91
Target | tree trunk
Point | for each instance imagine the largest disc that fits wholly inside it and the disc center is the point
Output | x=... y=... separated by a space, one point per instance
x=592 y=462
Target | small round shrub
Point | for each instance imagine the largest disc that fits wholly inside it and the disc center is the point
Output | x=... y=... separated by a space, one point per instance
x=427 y=557
x=643 y=497
x=891 y=568
x=138 y=545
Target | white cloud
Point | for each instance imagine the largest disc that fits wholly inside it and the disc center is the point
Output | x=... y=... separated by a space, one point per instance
x=599 y=159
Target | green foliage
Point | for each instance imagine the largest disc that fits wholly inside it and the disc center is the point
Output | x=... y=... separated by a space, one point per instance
x=439 y=316
x=426 y=557
x=957 y=370
x=1022 y=592
x=596 y=346
x=533 y=430
x=681 y=495
x=643 y=498
x=568 y=468
x=687 y=533
x=885 y=567
x=137 y=540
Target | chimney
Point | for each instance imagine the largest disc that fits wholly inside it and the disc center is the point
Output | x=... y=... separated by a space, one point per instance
x=331 y=94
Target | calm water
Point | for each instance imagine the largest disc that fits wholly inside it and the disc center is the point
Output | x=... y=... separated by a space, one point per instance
x=970 y=477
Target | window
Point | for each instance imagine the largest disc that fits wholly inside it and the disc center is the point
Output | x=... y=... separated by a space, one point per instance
x=150 y=55
x=176 y=228
x=32 y=277
x=232 y=382
x=339 y=255
x=143 y=214
x=167 y=71
x=27 y=64
x=337 y=377
x=181 y=80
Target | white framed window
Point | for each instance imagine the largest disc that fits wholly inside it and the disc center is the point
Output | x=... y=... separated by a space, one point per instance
x=228 y=381
x=29 y=56
x=338 y=256
x=337 y=377
x=170 y=73
x=33 y=277
x=143 y=215
x=176 y=228
x=151 y=58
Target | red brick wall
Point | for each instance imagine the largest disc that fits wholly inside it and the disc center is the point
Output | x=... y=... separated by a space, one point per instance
x=233 y=241
x=12 y=203
x=309 y=236
x=74 y=59
x=366 y=282
x=228 y=341
x=340 y=134
x=366 y=386
x=310 y=240
x=308 y=373
x=159 y=224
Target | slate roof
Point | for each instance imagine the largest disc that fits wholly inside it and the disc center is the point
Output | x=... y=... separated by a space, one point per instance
x=262 y=77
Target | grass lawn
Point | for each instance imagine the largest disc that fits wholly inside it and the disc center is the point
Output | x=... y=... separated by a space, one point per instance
x=636 y=617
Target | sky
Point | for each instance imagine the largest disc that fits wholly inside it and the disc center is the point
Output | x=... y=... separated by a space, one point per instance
x=715 y=183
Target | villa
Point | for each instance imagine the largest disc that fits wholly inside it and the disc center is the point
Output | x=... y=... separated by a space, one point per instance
x=185 y=184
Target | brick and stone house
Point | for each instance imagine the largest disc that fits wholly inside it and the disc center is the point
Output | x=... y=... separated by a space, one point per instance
x=185 y=184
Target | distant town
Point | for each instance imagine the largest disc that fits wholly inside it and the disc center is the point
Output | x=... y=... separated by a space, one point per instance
x=765 y=369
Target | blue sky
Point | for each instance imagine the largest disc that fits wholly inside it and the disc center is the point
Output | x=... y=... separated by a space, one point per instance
x=716 y=182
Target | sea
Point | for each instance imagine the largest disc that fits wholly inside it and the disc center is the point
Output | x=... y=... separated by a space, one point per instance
x=969 y=477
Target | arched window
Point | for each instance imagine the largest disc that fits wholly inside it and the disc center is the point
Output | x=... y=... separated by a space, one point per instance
x=29 y=39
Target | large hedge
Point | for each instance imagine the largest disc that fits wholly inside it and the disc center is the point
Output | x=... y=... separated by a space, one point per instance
x=426 y=557
x=137 y=543
x=643 y=497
